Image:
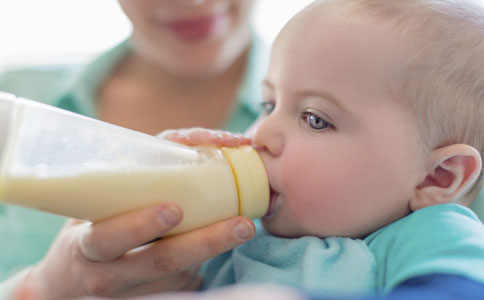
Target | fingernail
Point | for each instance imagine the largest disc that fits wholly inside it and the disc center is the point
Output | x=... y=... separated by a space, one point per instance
x=170 y=215
x=244 y=230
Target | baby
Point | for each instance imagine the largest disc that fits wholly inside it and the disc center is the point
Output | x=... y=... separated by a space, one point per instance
x=373 y=129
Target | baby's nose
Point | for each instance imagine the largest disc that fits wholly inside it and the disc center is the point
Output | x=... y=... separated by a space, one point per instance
x=269 y=137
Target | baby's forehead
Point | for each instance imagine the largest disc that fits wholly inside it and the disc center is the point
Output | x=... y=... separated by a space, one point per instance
x=308 y=22
x=320 y=21
x=319 y=16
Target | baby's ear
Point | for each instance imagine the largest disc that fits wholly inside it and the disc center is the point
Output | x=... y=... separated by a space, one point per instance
x=452 y=172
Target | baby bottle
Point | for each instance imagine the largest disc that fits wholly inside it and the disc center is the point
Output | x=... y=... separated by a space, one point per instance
x=68 y=164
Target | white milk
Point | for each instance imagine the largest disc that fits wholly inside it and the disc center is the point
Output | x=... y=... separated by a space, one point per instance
x=206 y=193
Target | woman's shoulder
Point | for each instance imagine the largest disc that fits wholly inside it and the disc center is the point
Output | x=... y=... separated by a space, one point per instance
x=42 y=83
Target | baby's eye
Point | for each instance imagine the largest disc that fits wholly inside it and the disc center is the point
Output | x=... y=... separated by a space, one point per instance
x=267 y=107
x=316 y=122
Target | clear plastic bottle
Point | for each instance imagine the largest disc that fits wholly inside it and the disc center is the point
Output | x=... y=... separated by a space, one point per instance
x=68 y=164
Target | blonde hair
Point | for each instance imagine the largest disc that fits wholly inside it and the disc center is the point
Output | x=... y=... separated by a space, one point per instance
x=443 y=83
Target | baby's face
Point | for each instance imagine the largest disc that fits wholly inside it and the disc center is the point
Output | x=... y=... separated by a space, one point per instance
x=343 y=157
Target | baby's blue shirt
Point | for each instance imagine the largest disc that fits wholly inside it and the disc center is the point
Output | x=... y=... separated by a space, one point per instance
x=440 y=239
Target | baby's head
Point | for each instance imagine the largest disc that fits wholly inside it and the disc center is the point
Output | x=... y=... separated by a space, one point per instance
x=374 y=109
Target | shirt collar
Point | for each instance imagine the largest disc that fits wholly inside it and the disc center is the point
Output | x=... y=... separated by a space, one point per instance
x=82 y=90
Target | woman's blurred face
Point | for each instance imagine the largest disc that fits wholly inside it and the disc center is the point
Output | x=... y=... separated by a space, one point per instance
x=190 y=38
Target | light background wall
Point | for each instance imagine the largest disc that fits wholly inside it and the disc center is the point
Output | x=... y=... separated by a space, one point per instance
x=59 y=31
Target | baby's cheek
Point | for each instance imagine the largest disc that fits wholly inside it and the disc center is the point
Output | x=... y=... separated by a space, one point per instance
x=314 y=192
x=307 y=175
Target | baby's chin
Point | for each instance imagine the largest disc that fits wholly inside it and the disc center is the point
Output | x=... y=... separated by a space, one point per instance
x=271 y=225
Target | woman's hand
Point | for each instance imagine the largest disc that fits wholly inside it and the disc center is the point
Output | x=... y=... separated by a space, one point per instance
x=114 y=258
x=201 y=136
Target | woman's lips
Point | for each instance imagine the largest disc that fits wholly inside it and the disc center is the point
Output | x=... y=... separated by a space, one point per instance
x=195 y=29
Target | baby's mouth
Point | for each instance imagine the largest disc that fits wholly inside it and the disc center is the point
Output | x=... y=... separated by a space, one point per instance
x=272 y=203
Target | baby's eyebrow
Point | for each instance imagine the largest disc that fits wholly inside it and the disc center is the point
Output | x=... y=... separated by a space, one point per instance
x=306 y=93
x=323 y=94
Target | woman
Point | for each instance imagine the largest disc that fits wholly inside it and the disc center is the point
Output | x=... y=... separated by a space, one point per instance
x=187 y=63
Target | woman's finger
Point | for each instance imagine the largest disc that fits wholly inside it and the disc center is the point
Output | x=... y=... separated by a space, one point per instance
x=109 y=239
x=177 y=136
x=193 y=136
x=179 y=253
x=167 y=260
x=233 y=139
x=201 y=136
